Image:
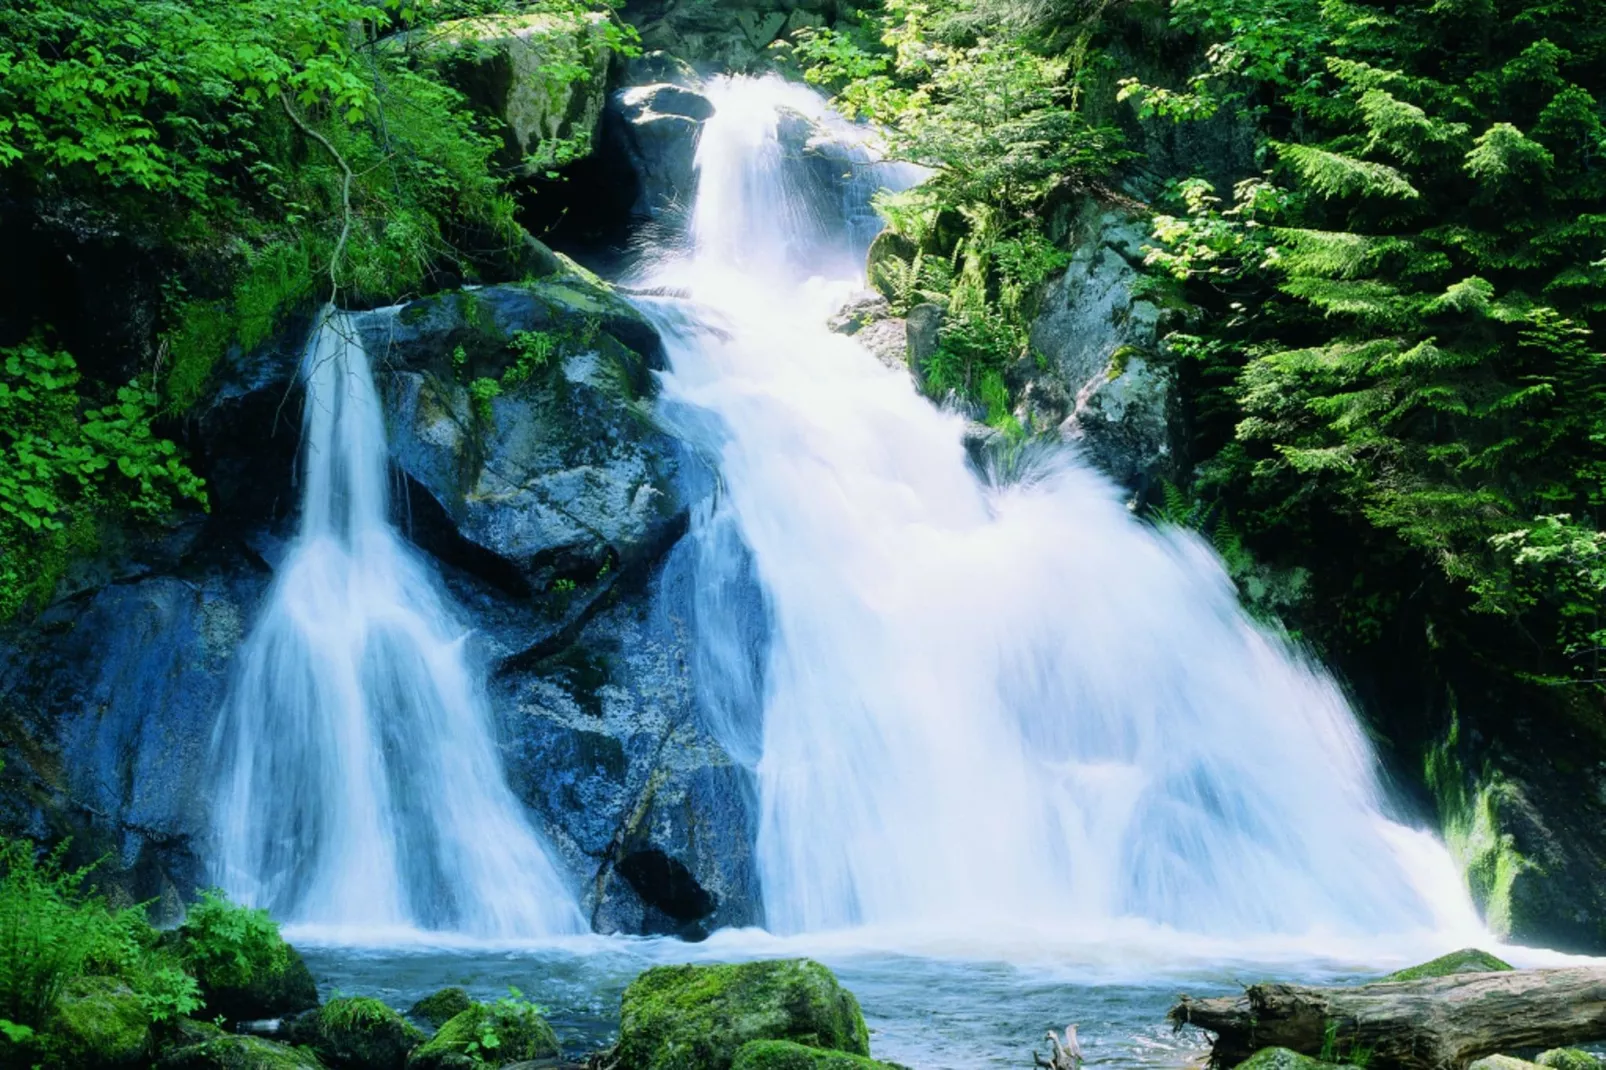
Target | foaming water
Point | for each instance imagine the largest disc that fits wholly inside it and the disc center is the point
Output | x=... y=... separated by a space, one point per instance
x=1007 y=710
x=359 y=787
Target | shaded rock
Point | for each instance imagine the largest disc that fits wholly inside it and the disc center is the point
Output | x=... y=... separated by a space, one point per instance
x=924 y=332
x=436 y=1008
x=239 y=1053
x=653 y=129
x=522 y=1035
x=1105 y=387
x=723 y=36
x=1467 y=960
x=266 y=993
x=358 y=1032
x=680 y=1017
x=787 y=1055
x=100 y=1022
x=516 y=68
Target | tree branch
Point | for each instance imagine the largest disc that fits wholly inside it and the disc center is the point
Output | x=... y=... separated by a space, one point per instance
x=345 y=194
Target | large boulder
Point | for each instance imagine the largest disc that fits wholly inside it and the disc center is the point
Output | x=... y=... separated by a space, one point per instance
x=654 y=128
x=700 y=1017
x=1102 y=380
x=359 y=1032
x=521 y=1035
x=543 y=76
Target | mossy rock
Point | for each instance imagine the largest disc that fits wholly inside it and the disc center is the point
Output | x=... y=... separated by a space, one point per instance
x=521 y=1035
x=102 y=1022
x=1467 y=960
x=1282 y=1059
x=699 y=1017
x=1569 y=1059
x=229 y=1052
x=267 y=995
x=437 y=1009
x=357 y=1031
x=788 y=1055
x=1501 y=1062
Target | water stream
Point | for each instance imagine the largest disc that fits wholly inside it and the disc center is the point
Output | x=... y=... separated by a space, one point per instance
x=358 y=783
x=1021 y=757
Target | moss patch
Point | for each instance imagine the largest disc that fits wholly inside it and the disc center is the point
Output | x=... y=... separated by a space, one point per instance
x=437 y=1009
x=787 y=1055
x=100 y=1021
x=1467 y=960
x=507 y=1031
x=239 y=1053
x=358 y=1031
x=1569 y=1059
x=699 y=1017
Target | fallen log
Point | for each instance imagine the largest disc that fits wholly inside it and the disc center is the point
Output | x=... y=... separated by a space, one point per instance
x=1439 y=1023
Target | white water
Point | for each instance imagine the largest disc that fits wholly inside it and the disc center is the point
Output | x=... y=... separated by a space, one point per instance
x=360 y=789
x=1011 y=710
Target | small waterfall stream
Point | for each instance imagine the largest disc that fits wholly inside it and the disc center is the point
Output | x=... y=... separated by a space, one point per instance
x=988 y=708
x=359 y=787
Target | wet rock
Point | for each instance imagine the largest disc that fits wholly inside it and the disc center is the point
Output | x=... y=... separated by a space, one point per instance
x=514 y=67
x=1467 y=960
x=723 y=36
x=867 y=318
x=435 y=1009
x=100 y=1022
x=924 y=332
x=239 y=1053
x=653 y=129
x=357 y=1032
x=1106 y=386
x=683 y=1016
x=522 y=1035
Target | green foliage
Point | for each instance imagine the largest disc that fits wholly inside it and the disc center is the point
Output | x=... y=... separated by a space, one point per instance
x=1396 y=333
x=231 y=946
x=970 y=91
x=487 y=1035
x=1337 y=1051
x=65 y=462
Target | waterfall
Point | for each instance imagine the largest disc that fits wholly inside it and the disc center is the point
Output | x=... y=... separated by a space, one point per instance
x=359 y=785
x=985 y=705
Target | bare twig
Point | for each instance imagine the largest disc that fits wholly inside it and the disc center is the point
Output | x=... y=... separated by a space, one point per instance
x=345 y=194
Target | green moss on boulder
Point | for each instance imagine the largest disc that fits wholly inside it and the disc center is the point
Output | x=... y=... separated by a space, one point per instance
x=239 y=1053
x=437 y=1009
x=1282 y=1059
x=788 y=1055
x=1501 y=1062
x=244 y=967
x=507 y=1031
x=1569 y=1059
x=699 y=1017
x=102 y=1022
x=357 y=1031
x=1467 y=960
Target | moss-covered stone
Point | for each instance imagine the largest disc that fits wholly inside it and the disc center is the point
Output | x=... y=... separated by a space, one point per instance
x=1501 y=1062
x=100 y=1021
x=357 y=1031
x=229 y=1052
x=1467 y=960
x=1282 y=1059
x=437 y=1009
x=1569 y=1059
x=266 y=995
x=516 y=1030
x=788 y=1055
x=699 y=1017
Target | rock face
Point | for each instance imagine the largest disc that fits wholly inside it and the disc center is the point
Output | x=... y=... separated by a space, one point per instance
x=543 y=76
x=522 y=428
x=1104 y=385
x=720 y=35
x=654 y=129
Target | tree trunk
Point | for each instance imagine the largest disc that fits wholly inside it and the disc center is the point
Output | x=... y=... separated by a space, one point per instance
x=1440 y=1023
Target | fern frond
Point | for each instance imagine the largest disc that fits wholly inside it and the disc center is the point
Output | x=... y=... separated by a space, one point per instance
x=1333 y=174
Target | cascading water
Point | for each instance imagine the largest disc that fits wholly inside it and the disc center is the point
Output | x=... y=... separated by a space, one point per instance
x=359 y=787
x=985 y=706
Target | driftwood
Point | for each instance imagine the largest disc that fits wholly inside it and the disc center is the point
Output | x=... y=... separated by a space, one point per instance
x=1440 y=1023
